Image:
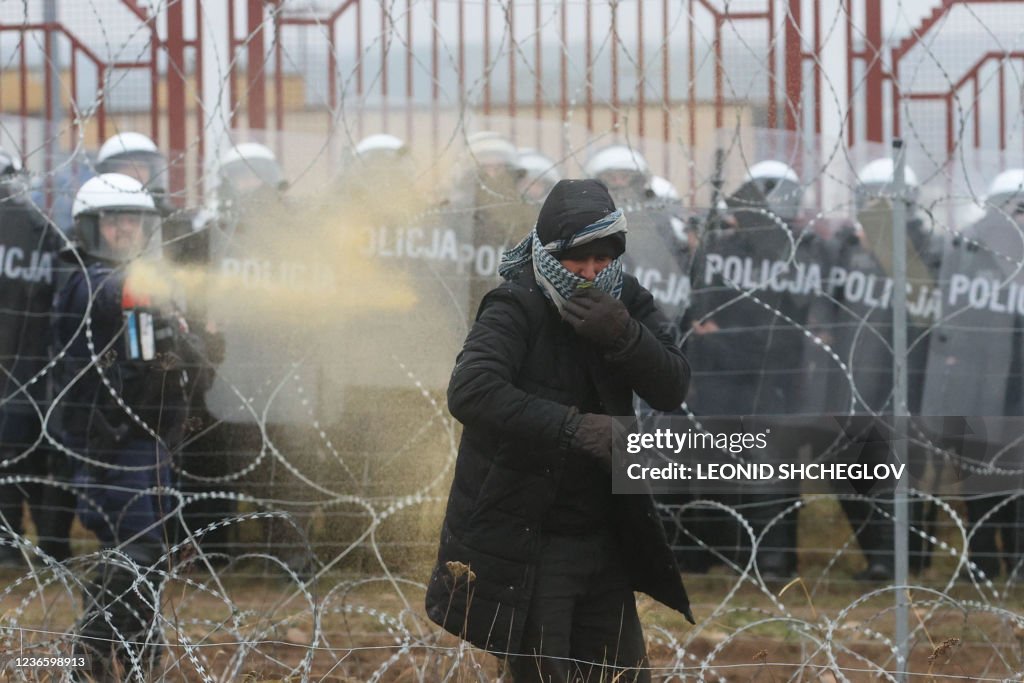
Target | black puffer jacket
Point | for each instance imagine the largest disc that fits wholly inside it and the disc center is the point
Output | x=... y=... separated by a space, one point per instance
x=518 y=374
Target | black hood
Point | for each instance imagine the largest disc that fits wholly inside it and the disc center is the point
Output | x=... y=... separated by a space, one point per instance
x=573 y=205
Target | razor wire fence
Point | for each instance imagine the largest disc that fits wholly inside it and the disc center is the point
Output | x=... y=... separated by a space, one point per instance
x=746 y=142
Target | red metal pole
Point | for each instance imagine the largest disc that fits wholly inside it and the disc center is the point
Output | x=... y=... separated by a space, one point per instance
x=793 y=65
x=435 y=74
x=773 y=77
x=895 y=95
x=384 y=44
x=590 y=70
x=691 y=88
x=719 y=97
x=279 y=85
x=511 y=17
x=101 y=109
x=538 y=66
x=850 y=56
x=332 y=95
x=408 y=49
x=232 y=86
x=817 y=73
x=359 y=51
x=49 y=62
x=563 y=68
x=154 y=80
x=176 y=110
x=873 y=78
x=950 y=141
x=691 y=73
x=640 y=77
x=73 y=129
x=256 y=87
x=977 y=111
x=409 y=91
x=200 y=124
x=332 y=75
x=487 y=58
x=462 y=52
x=23 y=93
x=360 y=92
x=615 y=66
x=1002 y=105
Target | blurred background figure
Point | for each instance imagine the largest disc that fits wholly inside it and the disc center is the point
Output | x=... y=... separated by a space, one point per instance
x=658 y=253
x=123 y=413
x=539 y=175
x=494 y=214
x=625 y=172
x=858 y=327
x=28 y=278
x=974 y=370
x=137 y=156
x=751 y=305
x=771 y=189
x=249 y=181
x=263 y=398
x=378 y=181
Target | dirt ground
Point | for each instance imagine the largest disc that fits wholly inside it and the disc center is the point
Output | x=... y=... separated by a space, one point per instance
x=236 y=625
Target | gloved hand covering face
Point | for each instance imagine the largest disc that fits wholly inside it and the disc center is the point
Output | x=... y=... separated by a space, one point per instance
x=598 y=317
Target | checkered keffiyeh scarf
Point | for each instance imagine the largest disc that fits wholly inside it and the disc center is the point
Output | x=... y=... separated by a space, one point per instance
x=556 y=281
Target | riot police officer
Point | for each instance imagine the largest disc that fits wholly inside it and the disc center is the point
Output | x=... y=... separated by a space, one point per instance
x=659 y=254
x=137 y=156
x=540 y=174
x=752 y=303
x=495 y=212
x=855 y=319
x=974 y=370
x=28 y=276
x=264 y=395
x=124 y=348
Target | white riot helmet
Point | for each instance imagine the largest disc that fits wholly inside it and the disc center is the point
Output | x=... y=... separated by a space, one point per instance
x=490 y=148
x=623 y=169
x=491 y=154
x=249 y=170
x=12 y=180
x=135 y=155
x=663 y=189
x=10 y=164
x=115 y=219
x=540 y=173
x=379 y=158
x=776 y=186
x=875 y=181
x=380 y=144
x=1006 y=192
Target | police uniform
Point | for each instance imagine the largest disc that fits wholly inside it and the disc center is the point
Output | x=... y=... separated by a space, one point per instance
x=28 y=275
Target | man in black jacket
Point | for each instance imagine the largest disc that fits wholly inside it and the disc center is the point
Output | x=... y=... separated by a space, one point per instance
x=538 y=560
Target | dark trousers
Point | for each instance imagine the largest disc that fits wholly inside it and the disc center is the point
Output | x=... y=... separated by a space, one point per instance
x=867 y=441
x=123 y=504
x=582 y=623
x=52 y=506
x=120 y=602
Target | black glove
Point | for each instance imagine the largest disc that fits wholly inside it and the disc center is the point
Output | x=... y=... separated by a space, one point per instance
x=591 y=434
x=599 y=317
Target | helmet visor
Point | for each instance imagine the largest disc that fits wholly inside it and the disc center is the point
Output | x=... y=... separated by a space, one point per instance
x=123 y=235
x=149 y=168
x=252 y=175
